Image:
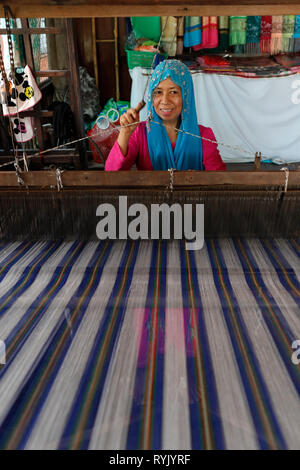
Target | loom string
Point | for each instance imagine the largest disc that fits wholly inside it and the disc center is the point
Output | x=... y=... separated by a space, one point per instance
x=232 y=147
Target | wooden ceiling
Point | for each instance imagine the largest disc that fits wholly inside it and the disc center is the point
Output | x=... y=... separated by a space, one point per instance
x=110 y=8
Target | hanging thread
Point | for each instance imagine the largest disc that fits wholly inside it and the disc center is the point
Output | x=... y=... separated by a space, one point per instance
x=286 y=171
x=58 y=179
x=171 y=183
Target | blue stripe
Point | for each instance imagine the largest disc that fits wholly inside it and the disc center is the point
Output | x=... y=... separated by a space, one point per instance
x=39 y=260
x=294 y=248
x=10 y=422
x=157 y=414
x=87 y=378
x=249 y=350
x=195 y=418
x=134 y=429
x=285 y=353
x=10 y=262
x=209 y=381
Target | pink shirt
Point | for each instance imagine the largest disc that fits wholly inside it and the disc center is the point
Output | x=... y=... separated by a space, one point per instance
x=138 y=152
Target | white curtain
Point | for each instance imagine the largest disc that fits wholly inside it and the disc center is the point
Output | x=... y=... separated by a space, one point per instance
x=259 y=114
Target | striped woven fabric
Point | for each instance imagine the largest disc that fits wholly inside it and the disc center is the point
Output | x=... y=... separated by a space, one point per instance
x=144 y=345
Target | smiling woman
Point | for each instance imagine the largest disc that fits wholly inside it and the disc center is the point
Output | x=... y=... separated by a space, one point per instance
x=174 y=139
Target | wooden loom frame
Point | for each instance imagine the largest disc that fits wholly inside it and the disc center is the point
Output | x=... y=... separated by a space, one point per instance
x=119 y=8
x=147 y=179
x=118 y=180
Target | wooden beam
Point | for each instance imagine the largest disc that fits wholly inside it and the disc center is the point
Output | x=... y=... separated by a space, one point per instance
x=56 y=160
x=52 y=73
x=33 y=31
x=192 y=180
x=56 y=157
x=44 y=113
x=105 y=8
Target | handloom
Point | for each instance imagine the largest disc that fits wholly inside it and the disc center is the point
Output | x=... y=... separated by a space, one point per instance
x=55 y=205
x=143 y=344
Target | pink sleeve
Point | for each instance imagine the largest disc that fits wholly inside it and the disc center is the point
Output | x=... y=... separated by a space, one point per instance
x=116 y=160
x=211 y=156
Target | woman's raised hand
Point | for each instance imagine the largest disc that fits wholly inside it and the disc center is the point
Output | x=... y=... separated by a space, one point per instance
x=131 y=116
x=127 y=118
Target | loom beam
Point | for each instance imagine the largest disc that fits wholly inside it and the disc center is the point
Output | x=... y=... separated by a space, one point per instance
x=249 y=180
x=235 y=203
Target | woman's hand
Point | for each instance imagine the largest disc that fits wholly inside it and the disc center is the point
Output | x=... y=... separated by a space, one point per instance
x=129 y=117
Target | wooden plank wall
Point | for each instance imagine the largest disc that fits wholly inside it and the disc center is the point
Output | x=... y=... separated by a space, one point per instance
x=105 y=55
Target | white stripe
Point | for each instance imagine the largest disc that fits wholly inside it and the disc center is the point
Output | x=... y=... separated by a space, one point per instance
x=16 y=270
x=7 y=250
x=290 y=255
x=176 y=417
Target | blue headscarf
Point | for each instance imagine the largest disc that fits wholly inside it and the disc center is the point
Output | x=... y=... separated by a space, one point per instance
x=187 y=154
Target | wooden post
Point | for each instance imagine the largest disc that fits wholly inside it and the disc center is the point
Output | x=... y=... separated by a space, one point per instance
x=75 y=89
x=116 y=59
x=30 y=62
x=94 y=39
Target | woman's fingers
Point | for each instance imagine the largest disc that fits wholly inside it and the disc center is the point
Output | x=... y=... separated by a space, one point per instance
x=132 y=114
x=140 y=106
x=130 y=117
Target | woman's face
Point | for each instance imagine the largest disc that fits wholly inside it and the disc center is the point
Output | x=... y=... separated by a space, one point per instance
x=167 y=101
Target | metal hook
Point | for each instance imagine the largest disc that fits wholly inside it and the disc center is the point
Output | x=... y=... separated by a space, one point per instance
x=286 y=170
x=18 y=171
x=171 y=183
x=257 y=161
x=58 y=179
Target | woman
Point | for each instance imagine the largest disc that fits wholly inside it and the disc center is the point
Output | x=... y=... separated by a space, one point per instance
x=171 y=104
